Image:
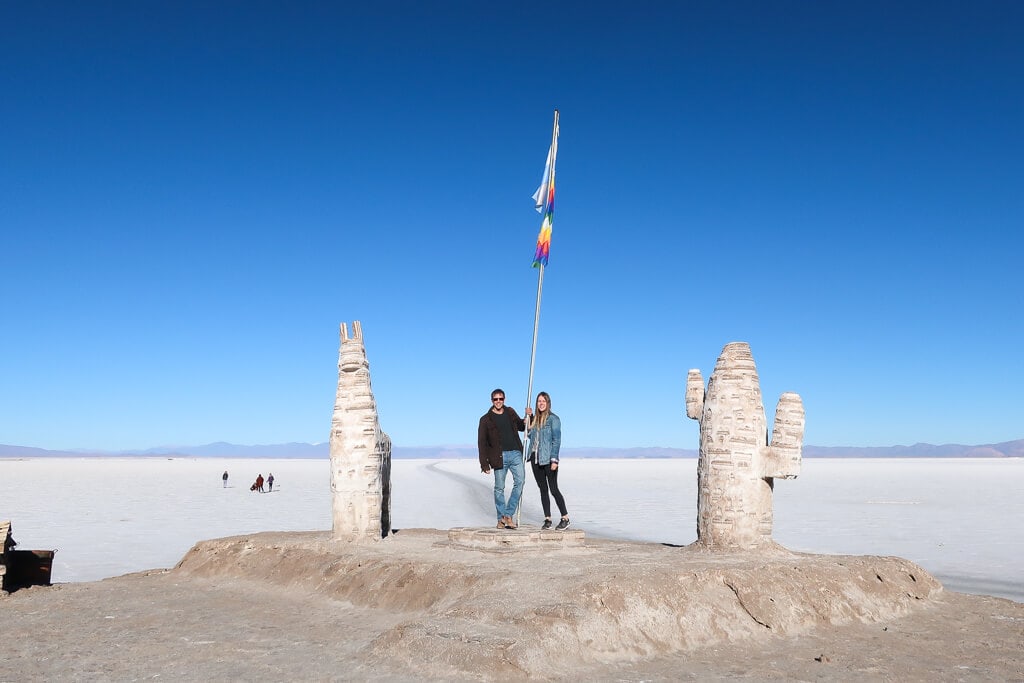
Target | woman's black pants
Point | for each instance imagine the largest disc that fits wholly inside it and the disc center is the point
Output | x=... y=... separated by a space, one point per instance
x=547 y=478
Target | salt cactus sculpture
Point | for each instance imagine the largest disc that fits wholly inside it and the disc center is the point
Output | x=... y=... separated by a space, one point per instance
x=737 y=466
x=360 y=451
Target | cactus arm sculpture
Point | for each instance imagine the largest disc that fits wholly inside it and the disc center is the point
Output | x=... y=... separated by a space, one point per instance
x=737 y=466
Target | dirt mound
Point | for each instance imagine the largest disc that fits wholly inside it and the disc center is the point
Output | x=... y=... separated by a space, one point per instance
x=607 y=603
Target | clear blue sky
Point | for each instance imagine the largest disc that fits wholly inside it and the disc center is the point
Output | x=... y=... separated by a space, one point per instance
x=193 y=196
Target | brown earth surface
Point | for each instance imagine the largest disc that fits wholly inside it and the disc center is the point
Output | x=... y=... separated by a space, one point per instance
x=299 y=606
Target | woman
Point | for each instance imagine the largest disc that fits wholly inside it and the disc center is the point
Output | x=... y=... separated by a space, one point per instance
x=545 y=440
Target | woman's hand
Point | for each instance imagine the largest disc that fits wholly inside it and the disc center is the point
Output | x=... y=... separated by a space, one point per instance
x=554 y=465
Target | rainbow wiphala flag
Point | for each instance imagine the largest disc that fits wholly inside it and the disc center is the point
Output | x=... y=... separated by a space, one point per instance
x=544 y=198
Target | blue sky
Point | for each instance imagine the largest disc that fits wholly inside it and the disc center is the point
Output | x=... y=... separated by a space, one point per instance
x=193 y=196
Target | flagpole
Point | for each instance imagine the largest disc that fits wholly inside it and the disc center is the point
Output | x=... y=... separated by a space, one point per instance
x=533 y=349
x=536 y=325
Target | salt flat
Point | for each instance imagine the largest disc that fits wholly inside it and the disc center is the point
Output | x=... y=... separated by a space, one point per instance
x=960 y=519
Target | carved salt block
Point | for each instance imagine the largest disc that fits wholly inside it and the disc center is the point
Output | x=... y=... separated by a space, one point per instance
x=737 y=467
x=360 y=451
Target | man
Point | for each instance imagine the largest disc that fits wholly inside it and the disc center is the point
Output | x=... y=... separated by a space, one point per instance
x=501 y=450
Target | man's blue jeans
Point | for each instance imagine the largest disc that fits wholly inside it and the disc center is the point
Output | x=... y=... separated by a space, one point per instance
x=513 y=460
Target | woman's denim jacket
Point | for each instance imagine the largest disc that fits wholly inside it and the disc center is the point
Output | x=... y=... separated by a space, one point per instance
x=548 y=441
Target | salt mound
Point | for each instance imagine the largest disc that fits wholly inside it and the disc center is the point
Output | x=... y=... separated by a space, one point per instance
x=608 y=602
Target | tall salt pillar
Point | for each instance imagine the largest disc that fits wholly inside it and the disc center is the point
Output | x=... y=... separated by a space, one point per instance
x=360 y=451
x=737 y=466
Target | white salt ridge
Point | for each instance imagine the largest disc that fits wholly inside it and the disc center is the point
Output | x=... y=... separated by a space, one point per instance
x=960 y=519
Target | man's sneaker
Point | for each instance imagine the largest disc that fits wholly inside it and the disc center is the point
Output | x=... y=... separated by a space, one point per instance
x=563 y=525
x=546 y=525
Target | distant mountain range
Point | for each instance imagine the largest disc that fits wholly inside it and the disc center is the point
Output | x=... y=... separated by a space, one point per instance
x=1008 y=449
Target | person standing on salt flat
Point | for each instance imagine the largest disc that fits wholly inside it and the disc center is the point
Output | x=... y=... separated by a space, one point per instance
x=500 y=450
x=545 y=441
x=225 y=478
x=270 y=482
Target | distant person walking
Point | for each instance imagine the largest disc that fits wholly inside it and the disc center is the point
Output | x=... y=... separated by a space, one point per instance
x=501 y=450
x=545 y=441
x=225 y=478
x=259 y=482
x=270 y=481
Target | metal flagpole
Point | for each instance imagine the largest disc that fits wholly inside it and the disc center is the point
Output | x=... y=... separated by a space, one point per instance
x=536 y=318
x=533 y=349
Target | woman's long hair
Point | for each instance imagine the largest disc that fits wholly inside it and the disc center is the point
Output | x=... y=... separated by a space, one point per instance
x=542 y=417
